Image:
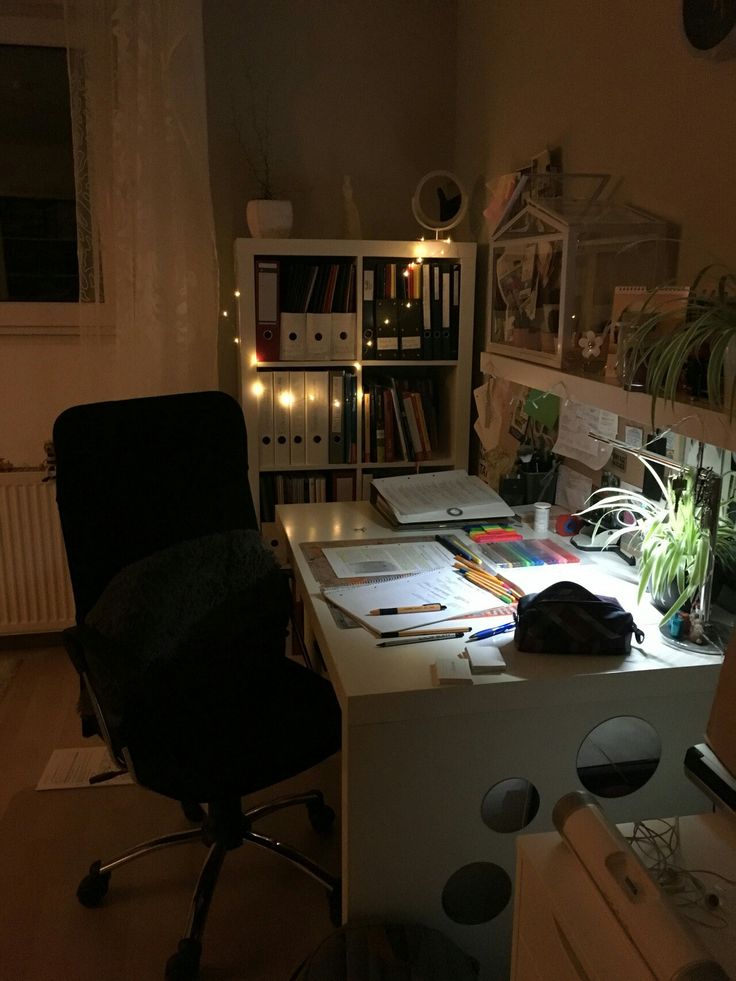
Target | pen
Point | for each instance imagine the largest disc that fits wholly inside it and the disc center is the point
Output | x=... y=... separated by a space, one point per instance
x=429 y=632
x=422 y=608
x=452 y=546
x=417 y=640
x=492 y=631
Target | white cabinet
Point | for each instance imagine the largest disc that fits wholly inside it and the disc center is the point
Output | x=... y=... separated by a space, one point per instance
x=565 y=931
x=355 y=361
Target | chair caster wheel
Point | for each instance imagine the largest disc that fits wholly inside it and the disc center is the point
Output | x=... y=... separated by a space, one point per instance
x=321 y=817
x=335 y=904
x=184 y=964
x=93 y=887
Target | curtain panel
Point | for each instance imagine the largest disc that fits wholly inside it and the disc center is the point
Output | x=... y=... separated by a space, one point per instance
x=148 y=265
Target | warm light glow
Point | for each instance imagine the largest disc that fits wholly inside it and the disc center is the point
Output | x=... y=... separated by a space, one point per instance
x=236 y=340
x=408 y=305
x=253 y=360
x=386 y=321
x=336 y=403
x=286 y=399
x=224 y=313
x=357 y=366
x=236 y=293
x=406 y=273
x=311 y=396
x=257 y=389
x=369 y=343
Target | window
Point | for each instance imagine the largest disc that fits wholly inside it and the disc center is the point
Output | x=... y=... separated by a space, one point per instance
x=39 y=281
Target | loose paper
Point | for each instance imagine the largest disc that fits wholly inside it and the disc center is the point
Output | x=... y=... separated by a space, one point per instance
x=68 y=768
x=388 y=559
x=573 y=489
x=576 y=421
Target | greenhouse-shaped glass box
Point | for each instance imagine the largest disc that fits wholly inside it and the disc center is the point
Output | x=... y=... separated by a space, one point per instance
x=554 y=268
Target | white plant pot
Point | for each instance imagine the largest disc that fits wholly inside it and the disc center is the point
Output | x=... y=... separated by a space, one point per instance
x=269 y=219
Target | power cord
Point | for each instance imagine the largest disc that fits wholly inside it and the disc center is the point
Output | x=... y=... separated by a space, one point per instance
x=657 y=842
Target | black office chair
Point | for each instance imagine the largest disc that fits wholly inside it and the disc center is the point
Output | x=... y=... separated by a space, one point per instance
x=181 y=619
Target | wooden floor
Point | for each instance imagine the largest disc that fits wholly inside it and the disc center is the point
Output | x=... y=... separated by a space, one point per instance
x=266 y=915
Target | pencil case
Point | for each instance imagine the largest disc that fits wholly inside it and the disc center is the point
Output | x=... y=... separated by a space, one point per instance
x=566 y=618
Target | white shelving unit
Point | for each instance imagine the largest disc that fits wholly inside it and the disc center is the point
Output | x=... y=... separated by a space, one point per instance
x=451 y=377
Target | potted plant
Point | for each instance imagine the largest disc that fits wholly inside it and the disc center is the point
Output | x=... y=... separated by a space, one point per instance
x=267 y=215
x=702 y=345
x=675 y=555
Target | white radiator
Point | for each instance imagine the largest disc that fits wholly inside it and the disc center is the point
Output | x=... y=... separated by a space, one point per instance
x=35 y=592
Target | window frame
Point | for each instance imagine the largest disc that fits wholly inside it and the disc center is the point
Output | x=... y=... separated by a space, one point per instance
x=20 y=316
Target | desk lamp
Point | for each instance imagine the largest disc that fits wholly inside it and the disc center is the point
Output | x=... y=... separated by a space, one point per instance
x=707 y=489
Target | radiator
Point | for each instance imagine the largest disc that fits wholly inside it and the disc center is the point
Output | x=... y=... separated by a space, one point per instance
x=35 y=592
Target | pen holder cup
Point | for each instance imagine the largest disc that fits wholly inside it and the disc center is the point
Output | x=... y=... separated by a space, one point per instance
x=528 y=488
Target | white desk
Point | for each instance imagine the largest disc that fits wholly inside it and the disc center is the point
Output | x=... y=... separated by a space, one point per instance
x=417 y=760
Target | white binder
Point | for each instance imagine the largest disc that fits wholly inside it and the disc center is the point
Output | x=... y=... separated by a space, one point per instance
x=344 y=326
x=297 y=423
x=265 y=419
x=281 y=412
x=293 y=339
x=319 y=336
x=317 y=412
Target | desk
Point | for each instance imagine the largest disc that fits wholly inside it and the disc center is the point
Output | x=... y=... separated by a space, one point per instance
x=417 y=760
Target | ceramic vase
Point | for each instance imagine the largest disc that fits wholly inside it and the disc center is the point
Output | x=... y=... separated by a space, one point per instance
x=269 y=219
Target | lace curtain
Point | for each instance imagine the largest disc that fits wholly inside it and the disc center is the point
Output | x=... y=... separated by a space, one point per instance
x=148 y=264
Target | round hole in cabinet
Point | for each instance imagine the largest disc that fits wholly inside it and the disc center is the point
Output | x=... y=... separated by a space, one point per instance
x=510 y=805
x=618 y=756
x=476 y=893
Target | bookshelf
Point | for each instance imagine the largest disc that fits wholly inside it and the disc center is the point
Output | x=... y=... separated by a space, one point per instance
x=355 y=362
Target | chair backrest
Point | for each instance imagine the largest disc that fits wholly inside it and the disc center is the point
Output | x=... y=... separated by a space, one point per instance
x=138 y=475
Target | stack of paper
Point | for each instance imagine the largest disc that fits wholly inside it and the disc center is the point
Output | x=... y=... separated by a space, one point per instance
x=444 y=497
x=443 y=587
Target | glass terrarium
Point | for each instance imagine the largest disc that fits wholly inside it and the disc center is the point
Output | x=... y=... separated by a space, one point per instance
x=555 y=265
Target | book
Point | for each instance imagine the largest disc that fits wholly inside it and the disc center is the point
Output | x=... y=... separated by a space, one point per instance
x=436 y=498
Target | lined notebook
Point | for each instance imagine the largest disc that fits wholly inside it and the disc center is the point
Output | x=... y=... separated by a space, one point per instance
x=444 y=586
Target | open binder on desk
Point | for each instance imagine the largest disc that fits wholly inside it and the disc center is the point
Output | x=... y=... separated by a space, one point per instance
x=449 y=497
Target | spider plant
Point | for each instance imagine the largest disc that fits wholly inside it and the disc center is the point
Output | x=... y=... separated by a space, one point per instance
x=708 y=329
x=675 y=554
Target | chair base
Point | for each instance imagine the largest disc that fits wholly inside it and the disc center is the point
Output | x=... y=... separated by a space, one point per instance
x=183 y=965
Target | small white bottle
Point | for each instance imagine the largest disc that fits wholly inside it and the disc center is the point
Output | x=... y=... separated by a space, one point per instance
x=541 y=516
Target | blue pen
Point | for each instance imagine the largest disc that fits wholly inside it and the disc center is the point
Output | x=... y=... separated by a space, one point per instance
x=493 y=631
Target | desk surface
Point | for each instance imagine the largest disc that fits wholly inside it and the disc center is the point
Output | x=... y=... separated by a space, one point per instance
x=363 y=672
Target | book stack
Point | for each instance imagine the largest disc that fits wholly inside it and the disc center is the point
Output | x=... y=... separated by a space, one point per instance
x=399 y=419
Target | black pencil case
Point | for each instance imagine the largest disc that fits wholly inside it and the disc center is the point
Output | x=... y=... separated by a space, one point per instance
x=566 y=618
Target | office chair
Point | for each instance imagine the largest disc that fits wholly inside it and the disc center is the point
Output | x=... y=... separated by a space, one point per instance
x=181 y=619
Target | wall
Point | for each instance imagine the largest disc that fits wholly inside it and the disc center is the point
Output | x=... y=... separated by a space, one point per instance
x=615 y=86
x=346 y=88
x=364 y=89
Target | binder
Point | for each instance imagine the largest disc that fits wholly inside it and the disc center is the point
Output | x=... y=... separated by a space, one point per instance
x=297 y=420
x=426 y=312
x=369 y=319
x=368 y=428
x=337 y=410
x=446 y=297
x=343 y=327
x=281 y=406
x=351 y=433
x=412 y=426
x=293 y=339
x=267 y=309
x=387 y=330
x=379 y=428
x=317 y=401
x=265 y=419
x=410 y=329
x=436 y=309
x=389 y=425
x=454 y=311
x=319 y=336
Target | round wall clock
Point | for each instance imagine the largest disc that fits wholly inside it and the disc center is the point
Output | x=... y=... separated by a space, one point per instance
x=709 y=27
